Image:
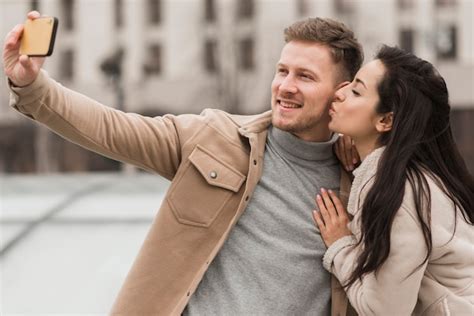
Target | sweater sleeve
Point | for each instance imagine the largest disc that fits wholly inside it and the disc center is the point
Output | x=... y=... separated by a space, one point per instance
x=149 y=143
x=394 y=289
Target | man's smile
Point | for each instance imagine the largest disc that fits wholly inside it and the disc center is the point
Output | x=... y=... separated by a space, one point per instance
x=288 y=104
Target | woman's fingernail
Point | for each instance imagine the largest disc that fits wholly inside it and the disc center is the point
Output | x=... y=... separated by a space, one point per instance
x=330 y=191
x=354 y=161
x=318 y=197
x=323 y=190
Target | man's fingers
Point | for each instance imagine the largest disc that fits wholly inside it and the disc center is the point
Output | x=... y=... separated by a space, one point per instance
x=33 y=15
x=13 y=36
x=25 y=61
x=37 y=61
x=344 y=156
x=347 y=152
x=355 y=155
x=339 y=153
x=342 y=152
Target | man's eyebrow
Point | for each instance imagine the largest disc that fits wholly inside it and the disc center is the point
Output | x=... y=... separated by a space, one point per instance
x=280 y=64
x=360 y=81
x=307 y=70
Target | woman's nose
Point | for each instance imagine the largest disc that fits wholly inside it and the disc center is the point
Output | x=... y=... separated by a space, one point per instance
x=339 y=95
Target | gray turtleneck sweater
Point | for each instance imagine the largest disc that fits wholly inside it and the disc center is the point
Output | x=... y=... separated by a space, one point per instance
x=271 y=263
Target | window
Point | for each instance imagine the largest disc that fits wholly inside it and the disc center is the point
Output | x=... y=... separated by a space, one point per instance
x=152 y=65
x=210 y=55
x=68 y=15
x=118 y=8
x=34 y=6
x=406 y=40
x=245 y=9
x=343 y=6
x=246 y=50
x=302 y=7
x=405 y=4
x=154 y=11
x=112 y=65
x=210 y=10
x=445 y=3
x=67 y=65
x=446 y=43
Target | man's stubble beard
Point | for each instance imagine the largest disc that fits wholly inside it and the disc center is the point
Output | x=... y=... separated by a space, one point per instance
x=293 y=127
x=302 y=125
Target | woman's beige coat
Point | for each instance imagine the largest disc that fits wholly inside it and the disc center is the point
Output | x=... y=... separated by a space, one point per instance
x=441 y=286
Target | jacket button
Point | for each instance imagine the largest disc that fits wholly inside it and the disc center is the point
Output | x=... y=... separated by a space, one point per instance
x=213 y=174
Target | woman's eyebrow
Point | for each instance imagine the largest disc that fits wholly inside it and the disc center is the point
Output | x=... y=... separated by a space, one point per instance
x=360 y=81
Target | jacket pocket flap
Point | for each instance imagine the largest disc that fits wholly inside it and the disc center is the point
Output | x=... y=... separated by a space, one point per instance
x=215 y=171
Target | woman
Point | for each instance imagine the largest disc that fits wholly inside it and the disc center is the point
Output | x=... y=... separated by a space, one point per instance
x=409 y=247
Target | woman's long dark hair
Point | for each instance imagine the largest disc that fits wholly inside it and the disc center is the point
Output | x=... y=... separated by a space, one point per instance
x=419 y=143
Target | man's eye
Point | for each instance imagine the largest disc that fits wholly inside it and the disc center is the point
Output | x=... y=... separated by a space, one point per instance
x=281 y=71
x=356 y=93
x=306 y=76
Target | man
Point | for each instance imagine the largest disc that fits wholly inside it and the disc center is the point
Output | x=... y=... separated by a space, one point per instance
x=234 y=235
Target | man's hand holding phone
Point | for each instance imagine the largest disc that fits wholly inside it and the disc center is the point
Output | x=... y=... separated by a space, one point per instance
x=22 y=69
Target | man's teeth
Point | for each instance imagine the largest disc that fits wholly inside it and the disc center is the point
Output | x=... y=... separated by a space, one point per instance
x=289 y=105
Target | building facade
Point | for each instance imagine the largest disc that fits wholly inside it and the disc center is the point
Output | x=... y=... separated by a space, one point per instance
x=181 y=56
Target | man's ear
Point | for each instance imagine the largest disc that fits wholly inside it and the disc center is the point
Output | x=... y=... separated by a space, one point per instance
x=384 y=122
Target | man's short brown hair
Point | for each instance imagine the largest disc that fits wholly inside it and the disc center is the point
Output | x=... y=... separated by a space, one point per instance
x=339 y=38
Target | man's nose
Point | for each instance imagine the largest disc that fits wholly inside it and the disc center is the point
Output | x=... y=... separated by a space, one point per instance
x=288 y=85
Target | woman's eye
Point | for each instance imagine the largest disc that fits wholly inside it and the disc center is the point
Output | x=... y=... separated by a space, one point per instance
x=356 y=93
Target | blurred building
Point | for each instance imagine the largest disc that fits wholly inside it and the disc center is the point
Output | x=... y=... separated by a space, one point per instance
x=181 y=56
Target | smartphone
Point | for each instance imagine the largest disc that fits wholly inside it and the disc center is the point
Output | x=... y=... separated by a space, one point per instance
x=38 y=37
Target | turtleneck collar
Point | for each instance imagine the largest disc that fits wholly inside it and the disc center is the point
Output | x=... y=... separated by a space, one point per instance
x=300 y=149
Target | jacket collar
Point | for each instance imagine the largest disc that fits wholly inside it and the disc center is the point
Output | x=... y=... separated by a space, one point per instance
x=362 y=174
x=252 y=124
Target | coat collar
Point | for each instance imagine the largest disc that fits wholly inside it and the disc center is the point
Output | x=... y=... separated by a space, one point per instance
x=363 y=174
x=252 y=124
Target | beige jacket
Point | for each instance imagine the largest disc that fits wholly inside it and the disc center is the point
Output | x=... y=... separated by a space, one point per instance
x=214 y=161
x=441 y=286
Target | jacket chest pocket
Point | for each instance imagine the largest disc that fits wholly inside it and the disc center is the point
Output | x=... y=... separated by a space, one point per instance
x=203 y=188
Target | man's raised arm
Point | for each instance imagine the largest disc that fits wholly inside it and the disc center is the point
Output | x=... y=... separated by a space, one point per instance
x=150 y=143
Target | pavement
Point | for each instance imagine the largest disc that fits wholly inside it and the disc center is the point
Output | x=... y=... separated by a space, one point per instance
x=68 y=241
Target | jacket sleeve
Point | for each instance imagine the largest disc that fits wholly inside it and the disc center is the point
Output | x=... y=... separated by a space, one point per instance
x=394 y=289
x=149 y=143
